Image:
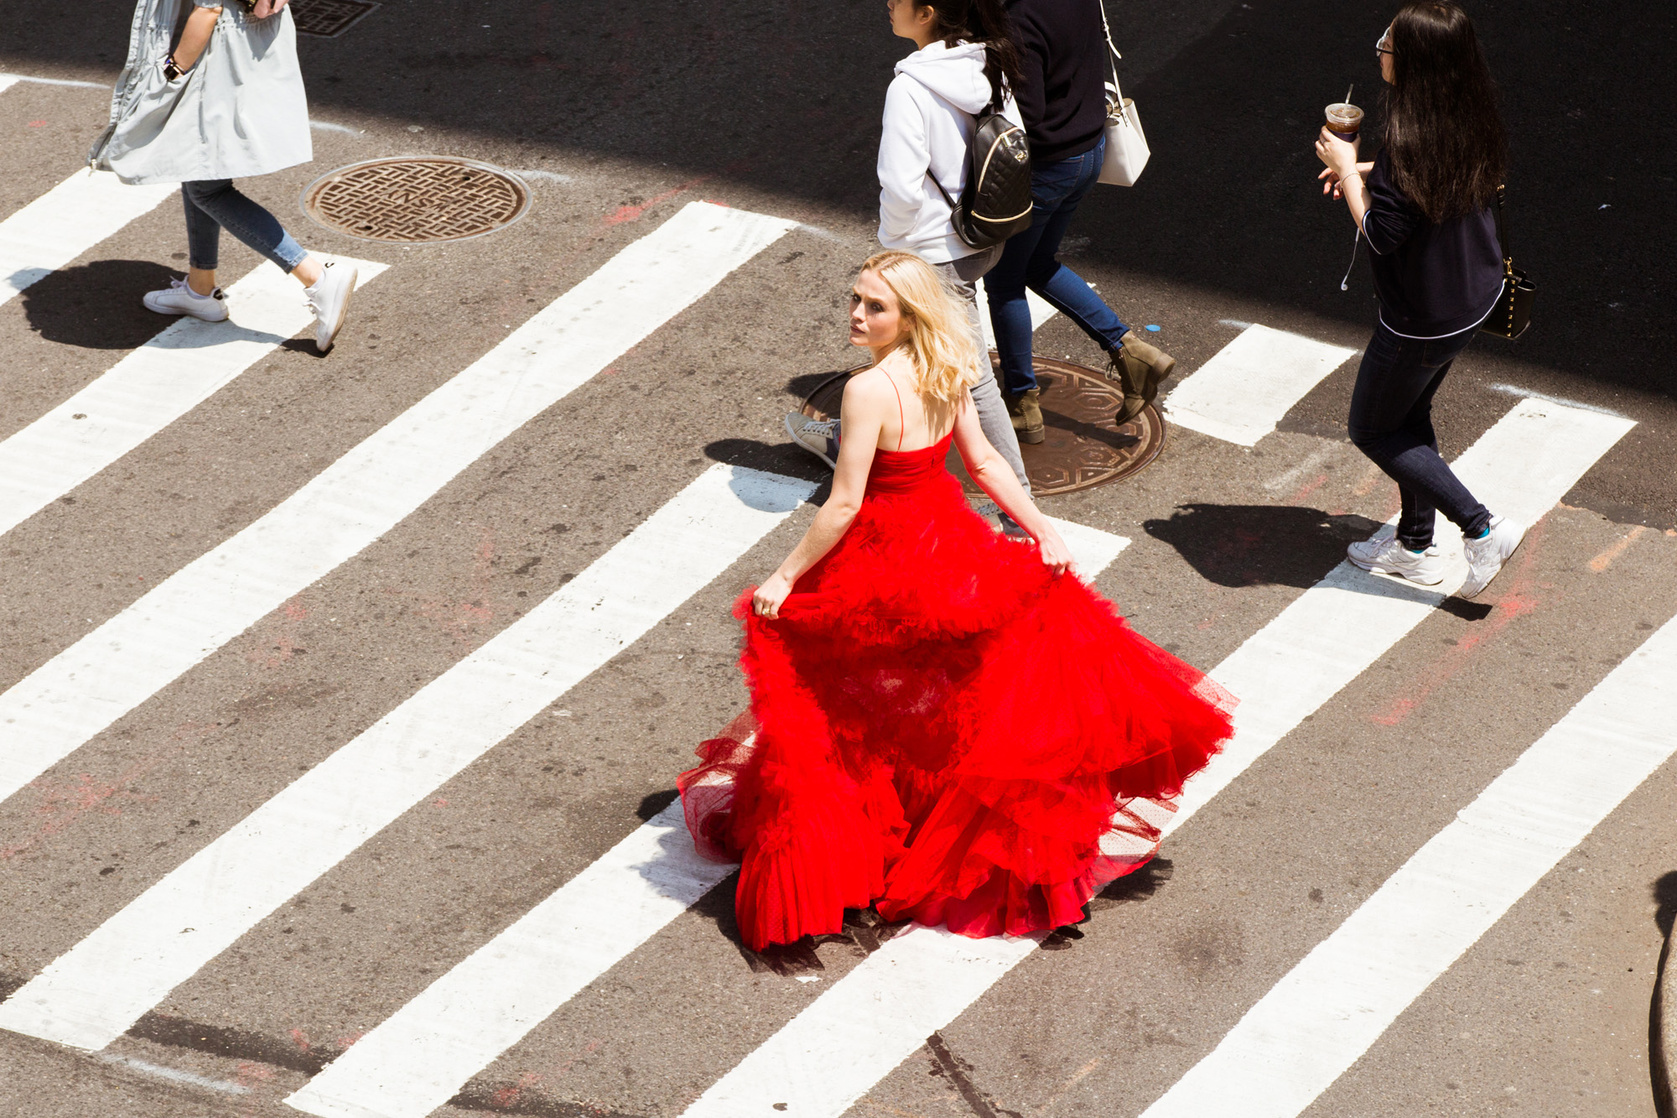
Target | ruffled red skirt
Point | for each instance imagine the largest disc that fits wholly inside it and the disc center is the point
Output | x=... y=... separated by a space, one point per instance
x=945 y=731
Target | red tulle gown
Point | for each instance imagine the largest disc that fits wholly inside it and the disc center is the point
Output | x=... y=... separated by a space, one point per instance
x=945 y=730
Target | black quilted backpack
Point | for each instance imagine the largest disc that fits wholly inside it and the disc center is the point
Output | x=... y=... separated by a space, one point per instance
x=996 y=201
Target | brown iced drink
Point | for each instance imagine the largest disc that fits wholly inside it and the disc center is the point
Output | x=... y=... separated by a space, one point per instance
x=1344 y=120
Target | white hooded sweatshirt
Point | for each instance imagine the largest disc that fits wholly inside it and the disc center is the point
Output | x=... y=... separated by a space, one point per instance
x=930 y=111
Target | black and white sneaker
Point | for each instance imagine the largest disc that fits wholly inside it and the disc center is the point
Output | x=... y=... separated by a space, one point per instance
x=178 y=298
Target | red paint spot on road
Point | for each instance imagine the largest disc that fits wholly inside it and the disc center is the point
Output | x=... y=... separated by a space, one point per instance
x=440 y=801
x=1307 y=489
x=60 y=807
x=36 y=123
x=300 y=1039
x=1519 y=601
x=630 y=213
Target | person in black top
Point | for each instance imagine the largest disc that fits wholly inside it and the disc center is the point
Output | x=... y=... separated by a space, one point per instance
x=1423 y=205
x=1062 y=99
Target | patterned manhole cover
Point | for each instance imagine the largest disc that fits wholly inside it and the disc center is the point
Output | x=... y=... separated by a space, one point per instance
x=1084 y=447
x=417 y=198
x=327 y=19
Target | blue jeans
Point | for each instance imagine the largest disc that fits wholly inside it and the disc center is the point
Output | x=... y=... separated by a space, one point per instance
x=1391 y=422
x=1029 y=261
x=213 y=205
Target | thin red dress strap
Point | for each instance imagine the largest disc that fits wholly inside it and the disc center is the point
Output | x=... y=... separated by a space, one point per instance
x=901 y=422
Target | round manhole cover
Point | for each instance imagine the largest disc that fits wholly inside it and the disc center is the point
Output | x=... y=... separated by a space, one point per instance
x=1084 y=447
x=417 y=199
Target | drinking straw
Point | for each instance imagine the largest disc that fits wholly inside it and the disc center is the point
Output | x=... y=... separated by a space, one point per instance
x=1348 y=90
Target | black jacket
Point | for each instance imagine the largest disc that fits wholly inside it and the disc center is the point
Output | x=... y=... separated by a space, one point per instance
x=1432 y=280
x=1062 y=98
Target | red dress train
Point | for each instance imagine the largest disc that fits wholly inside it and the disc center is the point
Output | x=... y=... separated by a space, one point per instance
x=945 y=730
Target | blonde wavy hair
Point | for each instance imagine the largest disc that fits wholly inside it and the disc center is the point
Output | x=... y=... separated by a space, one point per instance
x=939 y=338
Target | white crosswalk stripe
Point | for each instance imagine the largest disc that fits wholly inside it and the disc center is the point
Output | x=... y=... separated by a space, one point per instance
x=149 y=389
x=1251 y=383
x=1323 y=640
x=7 y=81
x=417 y=1059
x=66 y=221
x=1334 y=1005
x=366 y=492
x=91 y=995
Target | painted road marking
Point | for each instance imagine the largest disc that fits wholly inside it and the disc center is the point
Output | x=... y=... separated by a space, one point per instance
x=1340 y=627
x=1296 y=663
x=7 y=81
x=872 y=1019
x=1251 y=383
x=66 y=221
x=149 y=389
x=370 y=489
x=418 y=1059
x=94 y=992
x=423 y=1054
x=1318 y=1020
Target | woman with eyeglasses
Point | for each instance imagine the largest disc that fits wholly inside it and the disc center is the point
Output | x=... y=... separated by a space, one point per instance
x=1424 y=205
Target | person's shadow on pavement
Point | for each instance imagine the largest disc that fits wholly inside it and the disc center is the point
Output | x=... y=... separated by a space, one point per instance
x=1662 y=1010
x=97 y=305
x=1259 y=545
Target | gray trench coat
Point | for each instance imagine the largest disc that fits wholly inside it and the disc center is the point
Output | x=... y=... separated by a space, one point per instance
x=239 y=111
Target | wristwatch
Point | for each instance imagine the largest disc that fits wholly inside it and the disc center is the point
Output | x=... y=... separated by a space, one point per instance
x=170 y=70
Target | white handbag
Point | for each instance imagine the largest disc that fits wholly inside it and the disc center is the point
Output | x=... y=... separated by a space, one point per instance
x=1126 y=143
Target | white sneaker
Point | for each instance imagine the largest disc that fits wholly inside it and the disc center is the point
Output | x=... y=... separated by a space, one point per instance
x=178 y=298
x=1487 y=554
x=1386 y=556
x=818 y=436
x=330 y=299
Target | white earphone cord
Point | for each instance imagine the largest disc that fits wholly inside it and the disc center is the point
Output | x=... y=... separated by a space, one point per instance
x=1345 y=284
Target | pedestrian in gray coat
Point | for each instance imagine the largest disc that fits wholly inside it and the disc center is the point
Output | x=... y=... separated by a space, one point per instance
x=210 y=94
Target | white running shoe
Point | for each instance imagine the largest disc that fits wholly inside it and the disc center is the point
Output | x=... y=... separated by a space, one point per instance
x=1386 y=556
x=1487 y=554
x=330 y=299
x=818 y=436
x=178 y=298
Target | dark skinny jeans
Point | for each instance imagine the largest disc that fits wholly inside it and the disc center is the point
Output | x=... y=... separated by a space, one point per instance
x=1391 y=422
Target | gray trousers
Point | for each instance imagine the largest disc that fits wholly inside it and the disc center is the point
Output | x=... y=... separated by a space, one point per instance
x=963 y=275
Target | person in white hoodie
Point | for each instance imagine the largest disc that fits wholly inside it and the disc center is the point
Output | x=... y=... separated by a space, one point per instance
x=965 y=62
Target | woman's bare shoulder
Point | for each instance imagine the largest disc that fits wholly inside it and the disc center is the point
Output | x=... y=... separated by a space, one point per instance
x=871 y=385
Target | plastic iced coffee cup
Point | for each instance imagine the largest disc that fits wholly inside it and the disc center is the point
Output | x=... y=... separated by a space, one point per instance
x=1344 y=120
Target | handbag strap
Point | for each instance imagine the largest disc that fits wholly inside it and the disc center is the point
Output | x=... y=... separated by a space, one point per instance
x=1502 y=235
x=1113 y=61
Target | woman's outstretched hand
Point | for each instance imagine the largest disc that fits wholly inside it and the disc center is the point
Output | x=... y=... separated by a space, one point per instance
x=766 y=601
x=1056 y=556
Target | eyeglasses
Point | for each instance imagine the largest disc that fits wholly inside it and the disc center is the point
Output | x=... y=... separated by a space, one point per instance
x=1380 y=46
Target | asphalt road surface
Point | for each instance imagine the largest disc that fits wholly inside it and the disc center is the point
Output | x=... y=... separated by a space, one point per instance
x=341 y=699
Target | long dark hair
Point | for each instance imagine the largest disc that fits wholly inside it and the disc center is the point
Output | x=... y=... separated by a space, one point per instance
x=980 y=21
x=1445 y=142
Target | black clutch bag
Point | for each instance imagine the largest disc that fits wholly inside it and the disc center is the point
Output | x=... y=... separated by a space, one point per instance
x=1512 y=313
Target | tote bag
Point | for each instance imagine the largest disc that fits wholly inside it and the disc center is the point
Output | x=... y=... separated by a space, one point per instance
x=1126 y=143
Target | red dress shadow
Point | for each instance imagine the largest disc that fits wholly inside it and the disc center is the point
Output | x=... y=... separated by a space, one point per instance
x=946 y=730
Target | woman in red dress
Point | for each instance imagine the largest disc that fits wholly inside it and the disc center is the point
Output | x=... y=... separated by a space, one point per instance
x=949 y=724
